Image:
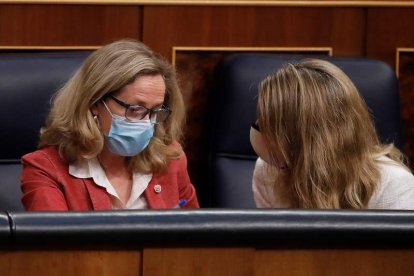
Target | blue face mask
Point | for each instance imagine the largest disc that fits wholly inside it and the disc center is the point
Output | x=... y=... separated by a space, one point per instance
x=127 y=138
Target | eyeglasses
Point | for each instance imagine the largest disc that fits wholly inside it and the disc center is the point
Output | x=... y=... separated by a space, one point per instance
x=136 y=113
x=256 y=126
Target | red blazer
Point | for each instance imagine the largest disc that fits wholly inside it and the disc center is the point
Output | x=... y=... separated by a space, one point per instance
x=47 y=185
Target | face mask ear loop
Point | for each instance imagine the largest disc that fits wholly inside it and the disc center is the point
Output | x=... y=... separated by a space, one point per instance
x=107 y=108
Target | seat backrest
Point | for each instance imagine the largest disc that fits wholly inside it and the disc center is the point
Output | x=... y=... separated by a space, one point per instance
x=231 y=160
x=27 y=83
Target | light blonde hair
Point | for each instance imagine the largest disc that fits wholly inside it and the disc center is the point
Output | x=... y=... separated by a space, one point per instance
x=312 y=115
x=70 y=124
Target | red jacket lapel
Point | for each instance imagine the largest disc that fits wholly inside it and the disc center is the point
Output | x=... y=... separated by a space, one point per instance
x=98 y=195
x=153 y=194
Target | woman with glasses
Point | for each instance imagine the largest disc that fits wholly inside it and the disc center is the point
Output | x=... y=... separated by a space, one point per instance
x=318 y=147
x=111 y=139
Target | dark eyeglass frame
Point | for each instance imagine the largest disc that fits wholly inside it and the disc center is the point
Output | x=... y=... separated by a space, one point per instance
x=149 y=111
x=256 y=126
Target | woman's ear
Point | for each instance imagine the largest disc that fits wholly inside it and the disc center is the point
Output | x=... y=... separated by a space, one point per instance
x=94 y=109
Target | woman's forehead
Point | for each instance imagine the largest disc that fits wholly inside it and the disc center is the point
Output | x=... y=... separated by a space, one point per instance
x=147 y=89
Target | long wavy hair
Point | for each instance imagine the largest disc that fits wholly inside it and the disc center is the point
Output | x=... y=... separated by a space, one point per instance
x=70 y=125
x=312 y=115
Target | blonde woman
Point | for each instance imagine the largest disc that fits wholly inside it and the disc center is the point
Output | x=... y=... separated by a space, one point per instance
x=318 y=147
x=111 y=138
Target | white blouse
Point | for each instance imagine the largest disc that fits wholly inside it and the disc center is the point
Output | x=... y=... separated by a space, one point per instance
x=395 y=190
x=92 y=169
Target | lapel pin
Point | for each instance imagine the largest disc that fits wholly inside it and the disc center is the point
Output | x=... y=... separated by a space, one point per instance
x=157 y=188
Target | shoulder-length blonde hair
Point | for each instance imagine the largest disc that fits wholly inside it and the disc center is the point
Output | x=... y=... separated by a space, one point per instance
x=312 y=115
x=70 y=125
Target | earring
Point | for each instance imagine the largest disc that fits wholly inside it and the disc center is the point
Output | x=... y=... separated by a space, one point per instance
x=95 y=118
